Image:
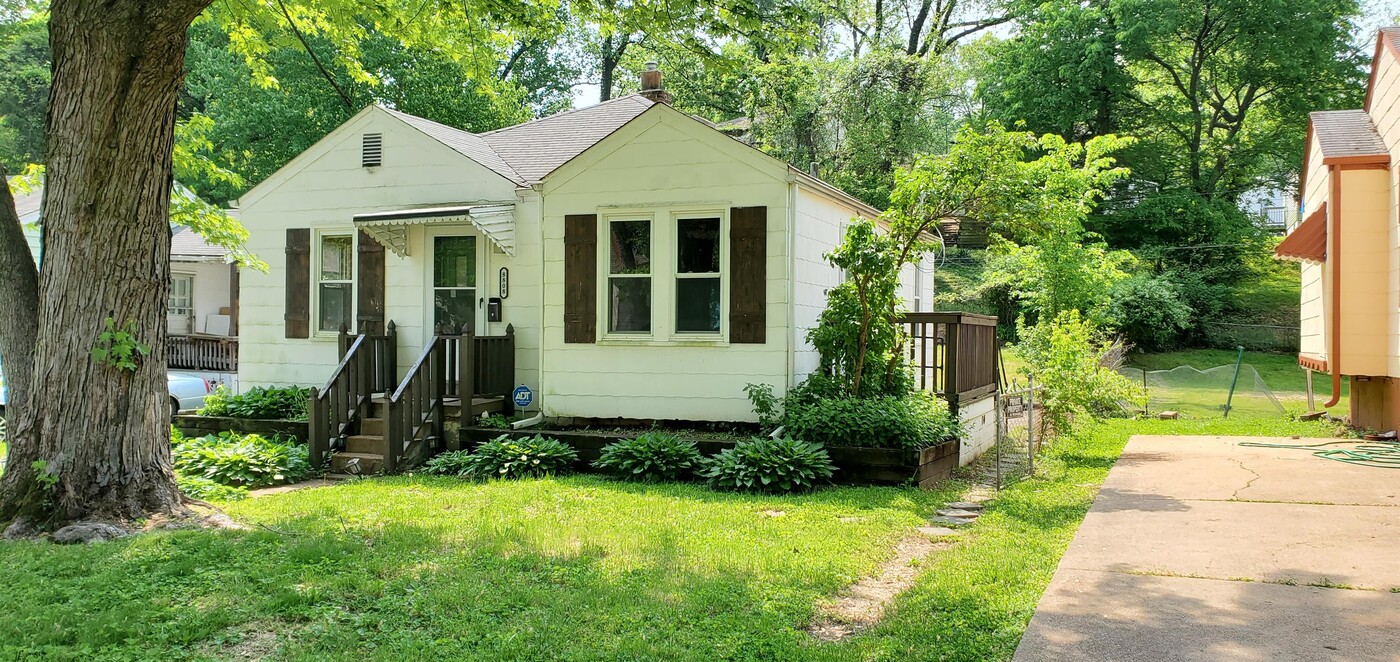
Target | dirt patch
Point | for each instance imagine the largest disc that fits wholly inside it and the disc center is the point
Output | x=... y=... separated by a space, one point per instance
x=863 y=604
x=253 y=641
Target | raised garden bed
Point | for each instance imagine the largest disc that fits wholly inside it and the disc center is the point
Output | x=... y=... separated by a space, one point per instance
x=191 y=425
x=872 y=466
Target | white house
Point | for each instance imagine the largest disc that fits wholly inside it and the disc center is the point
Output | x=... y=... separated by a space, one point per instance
x=203 y=320
x=649 y=265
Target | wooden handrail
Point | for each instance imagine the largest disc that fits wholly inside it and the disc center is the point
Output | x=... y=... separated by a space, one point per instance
x=414 y=410
x=335 y=407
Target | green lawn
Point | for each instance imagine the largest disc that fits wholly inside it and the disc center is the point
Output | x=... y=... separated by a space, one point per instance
x=1279 y=371
x=413 y=568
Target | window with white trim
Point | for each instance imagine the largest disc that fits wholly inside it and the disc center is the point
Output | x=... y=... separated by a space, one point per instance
x=629 y=276
x=335 y=282
x=699 y=307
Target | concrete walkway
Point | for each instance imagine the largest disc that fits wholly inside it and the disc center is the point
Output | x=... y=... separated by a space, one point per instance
x=1199 y=549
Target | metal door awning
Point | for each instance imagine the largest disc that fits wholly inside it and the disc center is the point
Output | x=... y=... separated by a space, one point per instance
x=390 y=228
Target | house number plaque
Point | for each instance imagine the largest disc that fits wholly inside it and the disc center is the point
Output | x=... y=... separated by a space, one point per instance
x=505 y=282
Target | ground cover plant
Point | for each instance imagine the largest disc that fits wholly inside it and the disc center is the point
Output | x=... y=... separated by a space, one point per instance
x=258 y=402
x=565 y=568
x=768 y=464
x=651 y=456
x=236 y=460
x=504 y=457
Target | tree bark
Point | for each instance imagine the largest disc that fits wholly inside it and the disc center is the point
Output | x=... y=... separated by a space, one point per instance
x=103 y=432
x=20 y=297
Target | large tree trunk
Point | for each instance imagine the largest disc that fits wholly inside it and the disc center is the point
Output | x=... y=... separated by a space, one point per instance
x=20 y=298
x=103 y=432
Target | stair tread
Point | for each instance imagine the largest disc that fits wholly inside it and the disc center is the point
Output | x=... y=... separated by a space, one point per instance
x=363 y=456
x=367 y=437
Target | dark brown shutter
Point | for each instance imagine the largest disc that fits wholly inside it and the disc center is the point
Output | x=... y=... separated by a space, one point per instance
x=580 y=278
x=748 y=273
x=298 y=312
x=369 y=287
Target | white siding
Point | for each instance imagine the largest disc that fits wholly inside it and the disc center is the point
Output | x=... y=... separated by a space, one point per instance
x=212 y=283
x=980 y=425
x=323 y=189
x=1312 y=339
x=658 y=164
x=820 y=224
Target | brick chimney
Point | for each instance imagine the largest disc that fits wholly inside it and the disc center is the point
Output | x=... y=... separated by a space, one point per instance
x=651 y=85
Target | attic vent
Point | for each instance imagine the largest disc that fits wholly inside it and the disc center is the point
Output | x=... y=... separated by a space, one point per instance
x=372 y=150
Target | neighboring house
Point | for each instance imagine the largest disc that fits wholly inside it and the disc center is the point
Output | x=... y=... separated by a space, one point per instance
x=203 y=318
x=27 y=206
x=648 y=265
x=1349 y=245
x=1275 y=209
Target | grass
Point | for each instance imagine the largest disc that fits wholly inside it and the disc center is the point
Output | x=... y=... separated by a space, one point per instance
x=414 y=568
x=1279 y=371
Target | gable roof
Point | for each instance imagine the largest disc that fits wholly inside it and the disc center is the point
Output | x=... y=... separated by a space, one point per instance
x=186 y=245
x=1387 y=40
x=28 y=203
x=526 y=153
x=1348 y=137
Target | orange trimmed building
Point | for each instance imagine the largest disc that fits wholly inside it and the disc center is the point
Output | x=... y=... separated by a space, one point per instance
x=1349 y=246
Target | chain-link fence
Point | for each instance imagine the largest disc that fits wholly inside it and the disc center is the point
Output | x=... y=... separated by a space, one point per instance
x=1253 y=337
x=1021 y=430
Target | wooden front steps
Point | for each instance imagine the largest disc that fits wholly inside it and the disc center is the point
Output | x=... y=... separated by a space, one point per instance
x=364 y=452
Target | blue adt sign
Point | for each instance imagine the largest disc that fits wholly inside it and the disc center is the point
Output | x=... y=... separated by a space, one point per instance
x=523 y=396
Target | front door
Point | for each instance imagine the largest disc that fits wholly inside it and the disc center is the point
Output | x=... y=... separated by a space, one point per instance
x=179 y=320
x=454 y=291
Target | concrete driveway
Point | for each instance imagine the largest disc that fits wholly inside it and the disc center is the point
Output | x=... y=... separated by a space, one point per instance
x=1199 y=549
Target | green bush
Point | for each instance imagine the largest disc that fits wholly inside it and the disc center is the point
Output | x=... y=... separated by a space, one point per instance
x=653 y=456
x=769 y=465
x=197 y=487
x=1064 y=354
x=504 y=457
x=915 y=421
x=241 y=460
x=1149 y=311
x=287 y=402
x=820 y=410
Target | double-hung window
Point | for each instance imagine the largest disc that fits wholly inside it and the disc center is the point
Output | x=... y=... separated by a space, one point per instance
x=698 y=305
x=335 y=283
x=629 y=276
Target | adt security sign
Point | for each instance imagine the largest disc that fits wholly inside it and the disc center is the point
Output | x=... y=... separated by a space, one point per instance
x=522 y=396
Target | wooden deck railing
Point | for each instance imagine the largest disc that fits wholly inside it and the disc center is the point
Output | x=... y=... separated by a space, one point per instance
x=953 y=354
x=201 y=352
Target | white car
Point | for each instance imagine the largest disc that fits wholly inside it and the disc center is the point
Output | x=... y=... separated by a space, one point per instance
x=187 y=391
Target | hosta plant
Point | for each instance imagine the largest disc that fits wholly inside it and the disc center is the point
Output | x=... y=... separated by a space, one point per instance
x=240 y=460
x=653 y=456
x=504 y=457
x=763 y=464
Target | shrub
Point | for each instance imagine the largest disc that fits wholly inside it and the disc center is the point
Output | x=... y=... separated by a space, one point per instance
x=1064 y=354
x=915 y=421
x=653 y=456
x=259 y=402
x=769 y=465
x=197 y=487
x=241 y=460
x=1149 y=311
x=504 y=457
x=495 y=422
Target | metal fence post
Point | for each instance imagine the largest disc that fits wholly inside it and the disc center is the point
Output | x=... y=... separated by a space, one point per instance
x=996 y=401
x=1030 y=424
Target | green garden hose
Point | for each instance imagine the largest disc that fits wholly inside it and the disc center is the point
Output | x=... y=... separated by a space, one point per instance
x=1383 y=454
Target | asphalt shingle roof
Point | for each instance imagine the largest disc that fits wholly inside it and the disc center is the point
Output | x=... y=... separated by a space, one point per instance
x=1347 y=134
x=526 y=153
x=28 y=203
x=186 y=243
